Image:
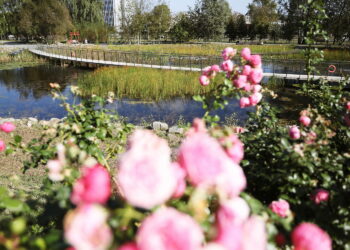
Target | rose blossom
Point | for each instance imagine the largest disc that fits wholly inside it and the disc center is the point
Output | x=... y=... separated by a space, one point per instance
x=85 y=228
x=308 y=236
x=245 y=54
x=232 y=212
x=55 y=170
x=207 y=71
x=228 y=53
x=128 y=246
x=255 y=76
x=241 y=81
x=227 y=66
x=305 y=120
x=320 y=196
x=213 y=246
x=7 y=127
x=246 y=70
x=198 y=126
x=311 y=137
x=233 y=147
x=280 y=207
x=255 y=98
x=145 y=176
x=294 y=132
x=202 y=157
x=247 y=87
x=254 y=234
x=348 y=105
x=256 y=88
x=180 y=175
x=204 y=80
x=2 y=146
x=169 y=229
x=255 y=61
x=244 y=102
x=93 y=187
x=215 y=68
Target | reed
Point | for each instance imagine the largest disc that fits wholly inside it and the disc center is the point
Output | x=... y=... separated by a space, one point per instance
x=23 y=59
x=143 y=84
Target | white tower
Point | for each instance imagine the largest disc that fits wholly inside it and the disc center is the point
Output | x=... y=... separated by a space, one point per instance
x=112 y=12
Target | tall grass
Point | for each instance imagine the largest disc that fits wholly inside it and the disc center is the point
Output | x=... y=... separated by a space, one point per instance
x=143 y=84
x=24 y=58
x=274 y=51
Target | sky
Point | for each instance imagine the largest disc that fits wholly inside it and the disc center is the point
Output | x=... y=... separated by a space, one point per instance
x=182 y=5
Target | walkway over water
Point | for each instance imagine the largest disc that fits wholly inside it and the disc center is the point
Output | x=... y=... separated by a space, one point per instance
x=276 y=68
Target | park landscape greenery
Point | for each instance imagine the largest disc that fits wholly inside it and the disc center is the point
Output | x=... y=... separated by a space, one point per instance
x=264 y=185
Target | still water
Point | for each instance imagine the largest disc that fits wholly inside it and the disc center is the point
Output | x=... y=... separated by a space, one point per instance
x=25 y=92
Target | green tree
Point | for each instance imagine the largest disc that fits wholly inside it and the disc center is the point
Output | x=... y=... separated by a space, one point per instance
x=242 y=27
x=232 y=28
x=43 y=18
x=85 y=11
x=210 y=18
x=263 y=13
x=181 y=31
x=160 y=19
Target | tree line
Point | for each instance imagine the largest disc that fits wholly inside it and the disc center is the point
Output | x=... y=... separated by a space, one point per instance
x=208 y=20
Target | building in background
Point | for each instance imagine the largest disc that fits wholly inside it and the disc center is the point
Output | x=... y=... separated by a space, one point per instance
x=112 y=12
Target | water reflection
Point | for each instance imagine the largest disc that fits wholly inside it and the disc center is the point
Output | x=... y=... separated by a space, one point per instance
x=25 y=92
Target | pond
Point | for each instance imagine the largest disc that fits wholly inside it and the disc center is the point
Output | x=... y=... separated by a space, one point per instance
x=25 y=92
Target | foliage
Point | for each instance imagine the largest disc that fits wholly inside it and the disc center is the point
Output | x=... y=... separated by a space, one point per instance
x=88 y=124
x=159 y=21
x=38 y=18
x=181 y=30
x=85 y=11
x=140 y=84
x=95 y=32
x=210 y=18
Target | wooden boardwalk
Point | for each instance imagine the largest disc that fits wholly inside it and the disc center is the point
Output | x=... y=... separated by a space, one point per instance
x=104 y=62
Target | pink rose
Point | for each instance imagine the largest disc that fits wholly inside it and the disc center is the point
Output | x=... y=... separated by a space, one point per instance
x=308 y=236
x=245 y=54
x=168 y=229
x=305 y=120
x=241 y=81
x=231 y=238
x=86 y=228
x=233 y=147
x=55 y=170
x=294 y=132
x=180 y=175
x=207 y=71
x=347 y=105
x=202 y=157
x=256 y=88
x=232 y=212
x=280 y=207
x=246 y=70
x=204 y=80
x=255 y=76
x=213 y=246
x=255 y=98
x=128 y=246
x=228 y=53
x=227 y=66
x=255 y=61
x=7 y=127
x=93 y=187
x=146 y=177
x=247 y=87
x=244 y=102
x=2 y=146
x=198 y=126
x=311 y=137
x=320 y=195
x=215 y=68
x=232 y=181
x=254 y=234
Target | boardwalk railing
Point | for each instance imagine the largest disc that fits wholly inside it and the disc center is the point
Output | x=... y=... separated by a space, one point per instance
x=289 y=69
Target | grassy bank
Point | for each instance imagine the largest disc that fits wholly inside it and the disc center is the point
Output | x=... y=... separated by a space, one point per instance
x=22 y=59
x=142 y=83
x=268 y=51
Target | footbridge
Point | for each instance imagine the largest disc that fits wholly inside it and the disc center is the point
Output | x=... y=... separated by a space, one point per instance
x=285 y=69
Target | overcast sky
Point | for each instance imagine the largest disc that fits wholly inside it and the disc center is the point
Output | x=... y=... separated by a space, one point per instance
x=182 y=5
